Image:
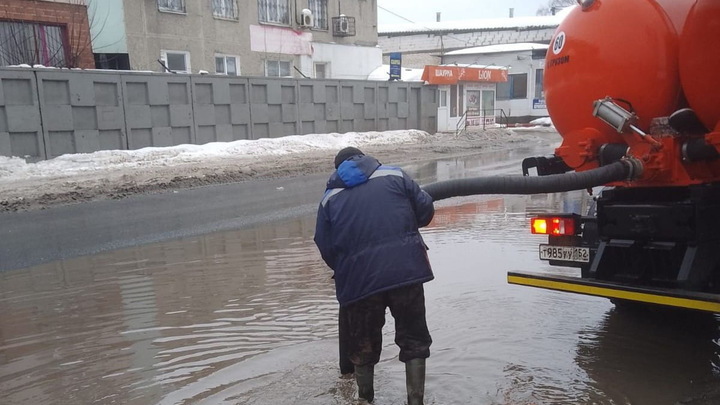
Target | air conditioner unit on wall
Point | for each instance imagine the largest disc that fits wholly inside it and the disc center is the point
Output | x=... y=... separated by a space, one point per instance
x=307 y=18
x=343 y=24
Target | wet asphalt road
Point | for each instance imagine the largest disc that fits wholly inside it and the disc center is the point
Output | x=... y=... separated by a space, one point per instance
x=35 y=237
x=217 y=295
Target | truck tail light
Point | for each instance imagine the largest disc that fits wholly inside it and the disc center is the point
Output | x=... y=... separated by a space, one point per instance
x=553 y=225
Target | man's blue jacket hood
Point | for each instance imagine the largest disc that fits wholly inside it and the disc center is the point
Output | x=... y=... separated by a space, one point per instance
x=354 y=171
x=367 y=229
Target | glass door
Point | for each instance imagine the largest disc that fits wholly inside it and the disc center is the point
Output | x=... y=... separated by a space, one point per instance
x=488 y=106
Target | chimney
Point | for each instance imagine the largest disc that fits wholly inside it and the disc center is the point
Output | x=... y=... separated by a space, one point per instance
x=437 y=16
x=512 y=11
x=552 y=10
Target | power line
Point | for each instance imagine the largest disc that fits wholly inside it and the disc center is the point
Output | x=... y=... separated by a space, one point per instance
x=397 y=15
x=466 y=41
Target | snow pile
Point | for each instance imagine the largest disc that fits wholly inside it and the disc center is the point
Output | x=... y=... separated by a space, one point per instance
x=543 y=122
x=12 y=168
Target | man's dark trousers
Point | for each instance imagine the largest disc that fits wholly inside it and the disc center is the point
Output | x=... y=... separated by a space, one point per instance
x=366 y=318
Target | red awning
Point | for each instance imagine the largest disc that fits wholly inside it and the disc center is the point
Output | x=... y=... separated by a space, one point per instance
x=454 y=74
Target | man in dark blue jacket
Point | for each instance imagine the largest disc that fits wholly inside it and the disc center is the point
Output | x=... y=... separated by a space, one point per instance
x=367 y=233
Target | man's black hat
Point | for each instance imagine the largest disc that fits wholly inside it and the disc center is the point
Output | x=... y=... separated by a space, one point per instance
x=345 y=154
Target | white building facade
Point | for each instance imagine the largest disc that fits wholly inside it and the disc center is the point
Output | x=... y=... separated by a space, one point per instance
x=276 y=38
x=521 y=98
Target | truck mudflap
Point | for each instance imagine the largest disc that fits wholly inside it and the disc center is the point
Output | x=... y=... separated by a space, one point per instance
x=673 y=298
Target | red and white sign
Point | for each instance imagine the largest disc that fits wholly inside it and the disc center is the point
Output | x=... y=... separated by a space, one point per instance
x=454 y=74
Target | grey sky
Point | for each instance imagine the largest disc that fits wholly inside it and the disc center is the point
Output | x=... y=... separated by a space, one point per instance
x=423 y=11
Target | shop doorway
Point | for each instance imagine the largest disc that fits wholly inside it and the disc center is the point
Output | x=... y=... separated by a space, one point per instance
x=488 y=106
x=443 y=112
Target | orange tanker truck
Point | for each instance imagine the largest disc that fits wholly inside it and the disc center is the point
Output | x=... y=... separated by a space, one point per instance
x=633 y=88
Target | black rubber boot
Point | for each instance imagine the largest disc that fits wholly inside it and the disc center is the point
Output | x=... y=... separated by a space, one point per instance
x=364 y=379
x=346 y=366
x=415 y=381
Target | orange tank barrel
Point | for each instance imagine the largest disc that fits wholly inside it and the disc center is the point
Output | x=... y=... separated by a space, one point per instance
x=677 y=10
x=700 y=61
x=624 y=49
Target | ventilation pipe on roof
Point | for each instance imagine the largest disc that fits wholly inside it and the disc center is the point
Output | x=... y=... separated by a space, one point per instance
x=512 y=12
x=437 y=16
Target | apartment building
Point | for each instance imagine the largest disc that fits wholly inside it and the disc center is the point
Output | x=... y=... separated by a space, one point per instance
x=45 y=32
x=278 y=38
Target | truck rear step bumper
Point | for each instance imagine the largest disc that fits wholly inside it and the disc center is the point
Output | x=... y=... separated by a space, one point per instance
x=673 y=298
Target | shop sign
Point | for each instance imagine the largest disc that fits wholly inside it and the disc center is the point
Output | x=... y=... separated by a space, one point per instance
x=395 y=66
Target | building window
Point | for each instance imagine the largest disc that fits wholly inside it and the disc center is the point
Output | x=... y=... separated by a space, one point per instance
x=321 y=71
x=539 y=53
x=32 y=44
x=276 y=68
x=515 y=88
x=274 y=11
x=319 y=12
x=225 y=9
x=176 y=61
x=115 y=61
x=227 y=65
x=488 y=103
x=175 y=6
x=539 y=91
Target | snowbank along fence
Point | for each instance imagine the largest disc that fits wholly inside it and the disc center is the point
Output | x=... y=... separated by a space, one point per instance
x=46 y=113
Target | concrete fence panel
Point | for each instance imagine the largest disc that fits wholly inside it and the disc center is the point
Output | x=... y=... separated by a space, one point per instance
x=357 y=110
x=273 y=107
x=428 y=108
x=158 y=110
x=45 y=113
x=365 y=106
x=220 y=109
x=21 y=132
x=80 y=113
x=308 y=92
x=331 y=120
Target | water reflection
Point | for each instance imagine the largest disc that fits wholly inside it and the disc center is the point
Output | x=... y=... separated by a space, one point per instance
x=490 y=163
x=637 y=356
x=121 y=326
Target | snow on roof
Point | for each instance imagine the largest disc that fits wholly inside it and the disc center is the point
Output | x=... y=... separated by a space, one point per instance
x=478 y=24
x=406 y=74
x=523 y=46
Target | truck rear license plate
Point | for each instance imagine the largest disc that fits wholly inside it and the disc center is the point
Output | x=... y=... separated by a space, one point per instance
x=565 y=253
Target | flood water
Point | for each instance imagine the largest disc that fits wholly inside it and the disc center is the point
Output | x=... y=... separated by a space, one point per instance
x=248 y=316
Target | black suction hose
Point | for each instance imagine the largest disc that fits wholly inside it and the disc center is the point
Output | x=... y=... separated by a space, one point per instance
x=696 y=150
x=622 y=170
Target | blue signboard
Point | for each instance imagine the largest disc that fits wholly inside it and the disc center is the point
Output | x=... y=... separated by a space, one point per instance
x=395 y=65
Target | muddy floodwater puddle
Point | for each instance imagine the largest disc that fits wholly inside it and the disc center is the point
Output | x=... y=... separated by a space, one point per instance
x=248 y=316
